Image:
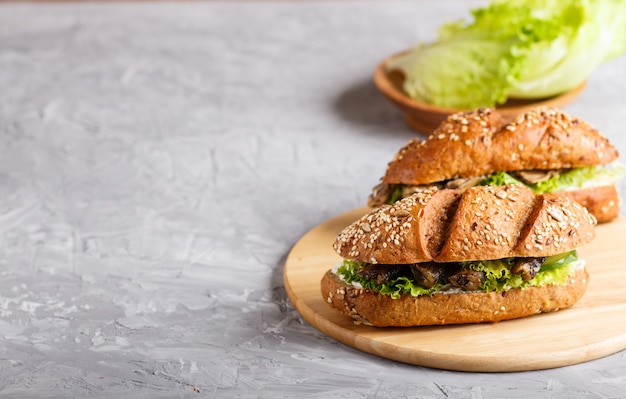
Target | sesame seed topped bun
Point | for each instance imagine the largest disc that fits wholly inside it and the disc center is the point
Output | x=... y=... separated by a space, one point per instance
x=484 y=254
x=538 y=145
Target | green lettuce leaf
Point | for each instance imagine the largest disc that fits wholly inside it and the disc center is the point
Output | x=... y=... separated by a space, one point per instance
x=498 y=276
x=572 y=179
x=396 y=195
x=581 y=177
x=497 y=272
x=589 y=176
x=395 y=288
x=499 y=179
x=514 y=48
x=455 y=73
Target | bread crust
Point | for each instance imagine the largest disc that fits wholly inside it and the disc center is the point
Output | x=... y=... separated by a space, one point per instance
x=409 y=231
x=488 y=223
x=480 y=223
x=380 y=310
x=480 y=142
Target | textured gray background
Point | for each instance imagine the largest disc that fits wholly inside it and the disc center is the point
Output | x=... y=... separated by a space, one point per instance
x=157 y=163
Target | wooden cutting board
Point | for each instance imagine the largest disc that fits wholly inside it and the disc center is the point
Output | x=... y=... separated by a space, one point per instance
x=593 y=328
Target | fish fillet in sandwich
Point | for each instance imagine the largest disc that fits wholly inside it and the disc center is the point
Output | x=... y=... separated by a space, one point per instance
x=544 y=149
x=449 y=256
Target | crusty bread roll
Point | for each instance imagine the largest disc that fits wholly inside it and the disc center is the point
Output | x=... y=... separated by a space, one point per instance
x=481 y=142
x=451 y=226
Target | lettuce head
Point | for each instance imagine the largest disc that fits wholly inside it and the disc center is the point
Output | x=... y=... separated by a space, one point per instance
x=514 y=48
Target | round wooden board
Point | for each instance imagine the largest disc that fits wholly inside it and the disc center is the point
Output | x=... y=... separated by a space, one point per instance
x=593 y=328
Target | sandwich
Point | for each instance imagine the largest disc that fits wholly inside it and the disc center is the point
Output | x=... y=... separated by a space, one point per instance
x=544 y=149
x=449 y=256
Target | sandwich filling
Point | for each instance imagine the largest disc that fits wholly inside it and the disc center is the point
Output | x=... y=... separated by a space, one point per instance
x=429 y=278
x=539 y=181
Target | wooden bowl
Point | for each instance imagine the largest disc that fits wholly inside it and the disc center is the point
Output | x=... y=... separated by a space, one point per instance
x=425 y=118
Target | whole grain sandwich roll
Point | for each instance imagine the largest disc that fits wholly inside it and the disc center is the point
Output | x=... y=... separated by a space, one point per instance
x=544 y=149
x=446 y=256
